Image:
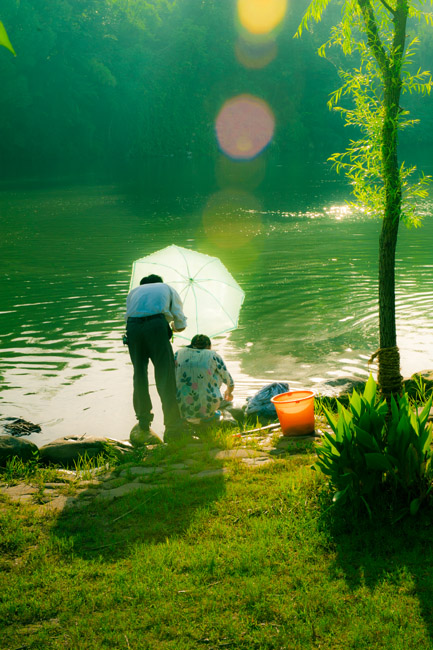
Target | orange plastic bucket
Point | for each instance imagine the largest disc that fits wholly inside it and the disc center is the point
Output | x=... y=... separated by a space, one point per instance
x=295 y=411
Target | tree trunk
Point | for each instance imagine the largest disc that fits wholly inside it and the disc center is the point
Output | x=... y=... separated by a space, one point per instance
x=389 y=377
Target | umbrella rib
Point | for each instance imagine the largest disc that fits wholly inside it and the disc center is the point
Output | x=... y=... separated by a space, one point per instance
x=167 y=266
x=204 y=266
x=232 y=286
x=187 y=288
x=187 y=338
x=218 y=302
x=196 y=306
x=186 y=262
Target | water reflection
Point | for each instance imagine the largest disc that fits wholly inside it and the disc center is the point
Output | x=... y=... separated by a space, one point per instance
x=309 y=273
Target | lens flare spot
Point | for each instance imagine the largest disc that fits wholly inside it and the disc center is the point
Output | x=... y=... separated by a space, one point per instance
x=244 y=127
x=231 y=218
x=244 y=144
x=255 y=54
x=261 y=16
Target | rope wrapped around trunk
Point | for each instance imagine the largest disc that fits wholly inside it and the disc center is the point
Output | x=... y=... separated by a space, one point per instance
x=389 y=378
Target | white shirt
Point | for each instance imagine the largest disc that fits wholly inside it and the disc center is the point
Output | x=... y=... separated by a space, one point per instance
x=156 y=298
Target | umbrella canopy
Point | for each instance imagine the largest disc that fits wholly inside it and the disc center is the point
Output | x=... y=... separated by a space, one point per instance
x=211 y=297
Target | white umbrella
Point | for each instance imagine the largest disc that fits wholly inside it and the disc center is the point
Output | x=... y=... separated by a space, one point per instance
x=210 y=295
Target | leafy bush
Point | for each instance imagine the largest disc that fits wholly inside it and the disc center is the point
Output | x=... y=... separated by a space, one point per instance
x=376 y=449
x=408 y=451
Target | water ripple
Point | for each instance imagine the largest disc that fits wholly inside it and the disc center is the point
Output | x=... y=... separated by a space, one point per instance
x=310 y=314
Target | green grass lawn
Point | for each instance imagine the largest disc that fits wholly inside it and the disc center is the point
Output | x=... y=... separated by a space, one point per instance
x=243 y=561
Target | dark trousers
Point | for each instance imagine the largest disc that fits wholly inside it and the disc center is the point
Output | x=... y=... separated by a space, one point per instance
x=149 y=339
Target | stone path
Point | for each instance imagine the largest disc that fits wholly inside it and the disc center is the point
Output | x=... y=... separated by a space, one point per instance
x=70 y=490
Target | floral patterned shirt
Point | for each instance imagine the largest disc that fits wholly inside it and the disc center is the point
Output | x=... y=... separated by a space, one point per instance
x=199 y=375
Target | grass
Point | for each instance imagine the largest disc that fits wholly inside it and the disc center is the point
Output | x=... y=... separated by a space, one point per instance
x=17 y=470
x=246 y=562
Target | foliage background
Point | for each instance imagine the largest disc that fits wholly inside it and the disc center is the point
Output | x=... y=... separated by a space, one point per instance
x=100 y=85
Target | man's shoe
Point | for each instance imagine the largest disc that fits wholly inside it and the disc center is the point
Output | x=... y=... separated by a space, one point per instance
x=172 y=435
x=181 y=434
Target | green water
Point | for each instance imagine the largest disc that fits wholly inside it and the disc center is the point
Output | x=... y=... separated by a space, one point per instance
x=307 y=264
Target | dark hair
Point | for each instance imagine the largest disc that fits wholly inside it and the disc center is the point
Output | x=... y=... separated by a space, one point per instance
x=150 y=279
x=200 y=342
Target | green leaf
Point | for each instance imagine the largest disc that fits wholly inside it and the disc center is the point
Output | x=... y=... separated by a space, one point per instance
x=414 y=506
x=370 y=390
x=355 y=403
x=4 y=39
x=343 y=432
x=331 y=419
x=425 y=439
x=378 y=462
x=425 y=412
x=413 y=463
x=367 y=506
x=340 y=494
x=394 y=409
x=327 y=459
x=382 y=408
x=366 y=439
x=314 y=12
x=324 y=470
x=331 y=443
x=400 y=515
x=343 y=416
x=414 y=422
x=404 y=429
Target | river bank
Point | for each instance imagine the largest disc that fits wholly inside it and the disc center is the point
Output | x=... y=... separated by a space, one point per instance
x=418 y=386
x=307 y=264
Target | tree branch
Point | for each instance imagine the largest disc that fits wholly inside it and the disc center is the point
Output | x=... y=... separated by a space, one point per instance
x=373 y=38
x=399 y=40
x=387 y=6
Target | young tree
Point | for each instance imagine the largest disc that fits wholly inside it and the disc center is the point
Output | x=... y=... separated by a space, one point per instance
x=374 y=34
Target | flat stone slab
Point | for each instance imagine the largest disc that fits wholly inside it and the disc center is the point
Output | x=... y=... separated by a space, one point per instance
x=60 y=502
x=54 y=486
x=111 y=484
x=88 y=483
x=257 y=462
x=208 y=473
x=307 y=436
x=286 y=441
x=19 y=490
x=67 y=475
x=142 y=471
x=178 y=472
x=124 y=489
x=82 y=503
x=278 y=451
x=109 y=476
x=242 y=452
x=195 y=446
x=190 y=462
x=22 y=498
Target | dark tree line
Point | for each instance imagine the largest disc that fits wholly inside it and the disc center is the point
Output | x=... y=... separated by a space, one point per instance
x=103 y=85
